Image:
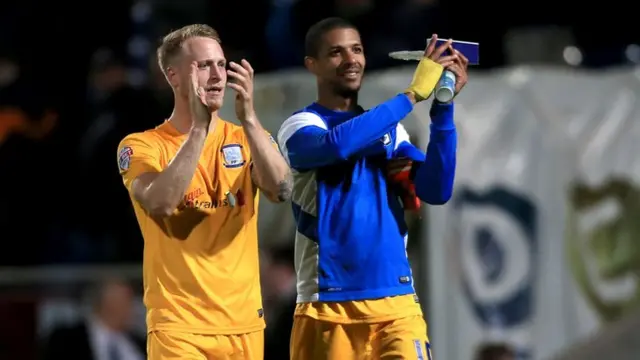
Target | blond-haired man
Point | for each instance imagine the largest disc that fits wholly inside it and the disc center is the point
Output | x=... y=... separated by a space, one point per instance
x=193 y=182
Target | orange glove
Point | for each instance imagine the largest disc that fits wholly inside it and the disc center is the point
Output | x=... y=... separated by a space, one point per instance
x=398 y=173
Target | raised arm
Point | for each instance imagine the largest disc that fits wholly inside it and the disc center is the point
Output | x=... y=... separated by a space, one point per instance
x=433 y=177
x=269 y=171
x=158 y=190
x=307 y=143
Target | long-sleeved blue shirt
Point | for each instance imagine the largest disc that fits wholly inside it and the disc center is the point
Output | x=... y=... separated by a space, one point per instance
x=351 y=234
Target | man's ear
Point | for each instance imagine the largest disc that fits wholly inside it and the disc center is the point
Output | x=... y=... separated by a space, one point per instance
x=172 y=77
x=310 y=64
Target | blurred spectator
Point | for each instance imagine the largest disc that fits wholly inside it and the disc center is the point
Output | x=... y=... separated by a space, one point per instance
x=15 y=118
x=26 y=124
x=279 y=284
x=113 y=110
x=282 y=48
x=495 y=351
x=159 y=88
x=105 y=334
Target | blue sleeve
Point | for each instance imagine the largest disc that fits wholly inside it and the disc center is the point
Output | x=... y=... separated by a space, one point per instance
x=306 y=142
x=403 y=148
x=434 y=176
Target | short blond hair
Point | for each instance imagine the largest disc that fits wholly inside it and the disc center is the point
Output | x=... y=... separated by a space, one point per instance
x=172 y=42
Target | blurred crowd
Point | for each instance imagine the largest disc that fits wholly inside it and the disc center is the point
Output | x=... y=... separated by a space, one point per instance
x=106 y=330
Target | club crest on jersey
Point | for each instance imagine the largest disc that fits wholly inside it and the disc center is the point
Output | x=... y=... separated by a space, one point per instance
x=124 y=158
x=232 y=156
x=386 y=139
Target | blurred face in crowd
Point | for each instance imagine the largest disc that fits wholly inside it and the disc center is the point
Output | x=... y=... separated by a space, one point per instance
x=9 y=72
x=111 y=78
x=340 y=61
x=116 y=305
x=211 y=70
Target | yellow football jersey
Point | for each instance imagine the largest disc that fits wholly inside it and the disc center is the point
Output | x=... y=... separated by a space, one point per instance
x=200 y=265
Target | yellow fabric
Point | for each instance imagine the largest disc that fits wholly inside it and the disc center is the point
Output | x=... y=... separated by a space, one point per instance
x=404 y=338
x=200 y=265
x=163 y=345
x=363 y=311
x=425 y=78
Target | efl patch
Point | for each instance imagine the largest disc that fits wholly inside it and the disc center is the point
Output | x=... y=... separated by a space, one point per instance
x=124 y=158
x=232 y=156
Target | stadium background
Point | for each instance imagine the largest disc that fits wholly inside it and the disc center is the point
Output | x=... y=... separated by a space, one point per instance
x=76 y=77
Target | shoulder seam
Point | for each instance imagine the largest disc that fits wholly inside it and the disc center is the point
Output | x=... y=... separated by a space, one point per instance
x=290 y=122
x=303 y=114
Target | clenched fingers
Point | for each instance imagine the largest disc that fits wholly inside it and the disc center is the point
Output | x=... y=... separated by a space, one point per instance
x=440 y=50
x=457 y=69
x=447 y=61
x=459 y=66
x=463 y=59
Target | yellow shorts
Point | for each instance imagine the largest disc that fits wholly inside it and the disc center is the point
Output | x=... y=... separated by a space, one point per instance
x=404 y=338
x=166 y=345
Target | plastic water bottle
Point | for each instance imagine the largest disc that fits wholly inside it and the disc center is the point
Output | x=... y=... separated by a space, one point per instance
x=445 y=90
